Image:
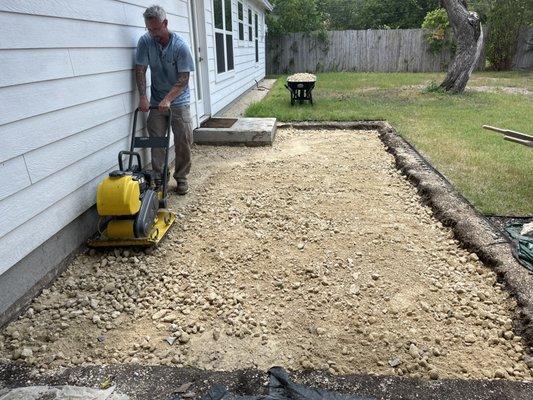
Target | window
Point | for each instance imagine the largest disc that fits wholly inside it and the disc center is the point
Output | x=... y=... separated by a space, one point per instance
x=241 y=20
x=256 y=38
x=250 y=31
x=223 y=35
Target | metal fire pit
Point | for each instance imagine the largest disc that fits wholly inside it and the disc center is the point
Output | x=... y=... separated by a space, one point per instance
x=300 y=91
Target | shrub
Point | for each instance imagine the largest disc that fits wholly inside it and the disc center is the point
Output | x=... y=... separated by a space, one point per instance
x=505 y=20
x=438 y=36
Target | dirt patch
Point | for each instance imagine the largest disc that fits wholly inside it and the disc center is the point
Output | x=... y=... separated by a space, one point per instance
x=316 y=253
x=219 y=123
x=496 y=89
x=490 y=89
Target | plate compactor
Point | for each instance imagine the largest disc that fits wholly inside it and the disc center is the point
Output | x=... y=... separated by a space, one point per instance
x=132 y=202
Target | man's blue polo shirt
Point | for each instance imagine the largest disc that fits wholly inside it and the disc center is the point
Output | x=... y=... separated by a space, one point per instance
x=165 y=64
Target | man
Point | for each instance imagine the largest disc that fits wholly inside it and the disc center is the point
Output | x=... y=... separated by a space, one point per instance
x=170 y=63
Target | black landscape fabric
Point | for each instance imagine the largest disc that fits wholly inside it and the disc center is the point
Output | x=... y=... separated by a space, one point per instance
x=280 y=387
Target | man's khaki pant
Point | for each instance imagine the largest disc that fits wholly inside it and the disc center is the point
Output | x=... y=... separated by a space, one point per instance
x=182 y=129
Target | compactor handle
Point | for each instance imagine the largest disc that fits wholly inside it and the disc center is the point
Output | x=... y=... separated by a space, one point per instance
x=136 y=112
x=149 y=108
x=131 y=154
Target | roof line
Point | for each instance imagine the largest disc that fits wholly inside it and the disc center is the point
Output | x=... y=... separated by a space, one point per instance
x=267 y=4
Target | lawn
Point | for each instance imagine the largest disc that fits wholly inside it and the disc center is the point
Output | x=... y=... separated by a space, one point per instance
x=495 y=175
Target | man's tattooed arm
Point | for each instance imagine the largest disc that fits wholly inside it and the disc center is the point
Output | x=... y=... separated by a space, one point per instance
x=140 y=77
x=181 y=83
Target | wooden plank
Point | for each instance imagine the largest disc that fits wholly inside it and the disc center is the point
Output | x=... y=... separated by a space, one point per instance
x=508 y=132
x=26 y=66
x=96 y=61
x=14 y=175
x=27 y=237
x=47 y=160
x=34 y=32
x=528 y=143
x=360 y=51
x=365 y=49
x=523 y=59
x=32 y=133
x=379 y=50
x=33 y=200
x=25 y=101
x=352 y=40
x=95 y=10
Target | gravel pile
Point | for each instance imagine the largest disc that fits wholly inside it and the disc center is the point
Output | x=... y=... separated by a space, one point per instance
x=313 y=254
x=302 y=77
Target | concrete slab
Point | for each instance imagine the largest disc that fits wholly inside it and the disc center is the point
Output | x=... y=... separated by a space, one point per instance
x=246 y=131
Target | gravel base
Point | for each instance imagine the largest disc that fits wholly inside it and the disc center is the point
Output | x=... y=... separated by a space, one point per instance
x=316 y=253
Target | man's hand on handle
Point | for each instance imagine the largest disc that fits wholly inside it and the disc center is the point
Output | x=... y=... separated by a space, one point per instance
x=144 y=104
x=164 y=105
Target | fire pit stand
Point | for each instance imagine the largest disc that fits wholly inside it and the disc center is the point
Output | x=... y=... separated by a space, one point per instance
x=300 y=91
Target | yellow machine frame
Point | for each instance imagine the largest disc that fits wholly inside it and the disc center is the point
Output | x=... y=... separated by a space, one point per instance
x=119 y=197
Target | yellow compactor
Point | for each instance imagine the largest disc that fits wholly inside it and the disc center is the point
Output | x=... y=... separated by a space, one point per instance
x=131 y=201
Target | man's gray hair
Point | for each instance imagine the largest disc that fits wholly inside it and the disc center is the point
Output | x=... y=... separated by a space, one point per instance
x=156 y=12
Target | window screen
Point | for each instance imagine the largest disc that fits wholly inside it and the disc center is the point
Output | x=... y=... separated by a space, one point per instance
x=228 y=15
x=229 y=46
x=241 y=21
x=221 y=65
x=217 y=6
x=250 y=30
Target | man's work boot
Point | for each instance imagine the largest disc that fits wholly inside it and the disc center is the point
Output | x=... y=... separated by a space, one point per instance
x=183 y=187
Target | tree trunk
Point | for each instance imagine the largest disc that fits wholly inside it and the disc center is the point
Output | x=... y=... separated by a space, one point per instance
x=469 y=37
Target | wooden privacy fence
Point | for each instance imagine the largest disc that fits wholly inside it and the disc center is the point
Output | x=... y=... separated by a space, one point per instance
x=523 y=59
x=392 y=50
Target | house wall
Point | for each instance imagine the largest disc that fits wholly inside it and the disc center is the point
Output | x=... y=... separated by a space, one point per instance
x=67 y=93
x=227 y=87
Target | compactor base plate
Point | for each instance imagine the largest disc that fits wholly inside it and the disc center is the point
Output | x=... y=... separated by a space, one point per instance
x=163 y=222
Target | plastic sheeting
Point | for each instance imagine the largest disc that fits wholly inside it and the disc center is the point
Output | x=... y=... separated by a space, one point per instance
x=524 y=247
x=280 y=387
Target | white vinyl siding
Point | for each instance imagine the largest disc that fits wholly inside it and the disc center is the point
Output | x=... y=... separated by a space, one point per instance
x=68 y=93
x=227 y=87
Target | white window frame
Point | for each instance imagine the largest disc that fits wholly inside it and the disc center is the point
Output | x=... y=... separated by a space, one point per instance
x=256 y=37
x=220 y=76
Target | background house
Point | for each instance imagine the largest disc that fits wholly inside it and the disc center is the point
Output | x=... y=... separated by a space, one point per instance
x=67 y=93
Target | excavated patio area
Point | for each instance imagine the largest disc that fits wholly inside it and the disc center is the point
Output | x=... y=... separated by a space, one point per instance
x=316 y=253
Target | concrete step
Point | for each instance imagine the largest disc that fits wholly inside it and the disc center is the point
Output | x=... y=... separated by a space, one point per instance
x=245 y=131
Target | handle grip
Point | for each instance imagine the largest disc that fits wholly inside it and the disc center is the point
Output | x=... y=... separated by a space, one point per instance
x=149 y=108
x=131 y=154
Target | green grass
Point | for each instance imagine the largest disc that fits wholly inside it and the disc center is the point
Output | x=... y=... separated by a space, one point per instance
x=495 y=175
